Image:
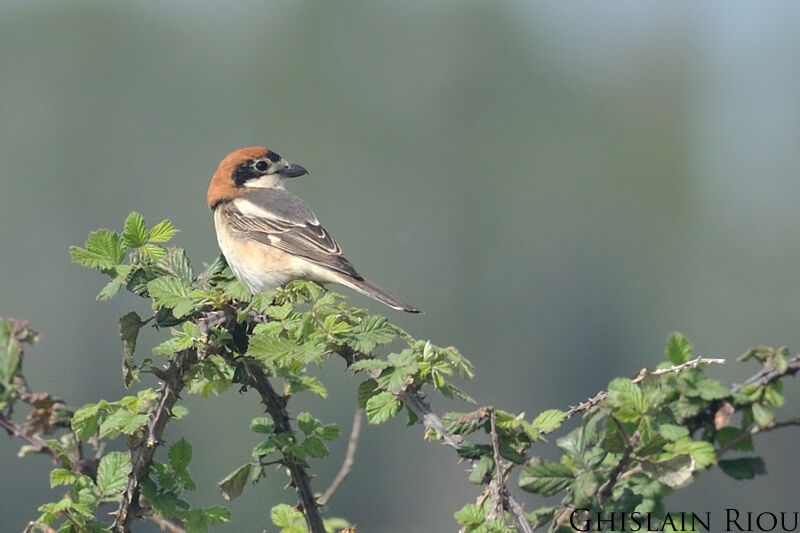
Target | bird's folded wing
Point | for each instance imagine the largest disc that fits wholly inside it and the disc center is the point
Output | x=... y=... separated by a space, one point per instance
x=278 y=218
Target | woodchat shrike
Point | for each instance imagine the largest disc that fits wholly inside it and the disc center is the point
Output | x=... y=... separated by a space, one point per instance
x=269 y=236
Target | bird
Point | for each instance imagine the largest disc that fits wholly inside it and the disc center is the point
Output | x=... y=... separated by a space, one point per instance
x=269 y=236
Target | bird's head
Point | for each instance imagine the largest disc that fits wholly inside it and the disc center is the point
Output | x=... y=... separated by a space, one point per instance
x=250 y=167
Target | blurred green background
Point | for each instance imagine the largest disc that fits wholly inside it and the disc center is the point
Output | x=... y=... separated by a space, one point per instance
x=557 y=185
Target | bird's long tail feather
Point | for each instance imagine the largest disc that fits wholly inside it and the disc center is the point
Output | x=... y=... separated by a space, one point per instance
x=368 y=288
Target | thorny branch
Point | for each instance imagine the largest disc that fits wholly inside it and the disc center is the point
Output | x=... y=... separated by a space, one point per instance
x=143 y=449
x=276 y=407
x=643 y=373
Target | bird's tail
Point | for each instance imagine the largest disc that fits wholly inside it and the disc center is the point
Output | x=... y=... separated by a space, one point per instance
x=368 y=288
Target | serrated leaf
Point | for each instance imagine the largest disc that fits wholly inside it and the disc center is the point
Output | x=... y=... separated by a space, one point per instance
x=307 y=423
x=168 y=291
x=110 y=290
x=135 y=233
x=544 y=477
x=112 y=472
x=711 y=389
x=262 y=424
x=679 y=349
x=743 y=467
x=366 y=389
x=104 y=250
x=232 y=485
x=180 y=455
x=672 y=432
x=382 y=407
x=470 y=515
x=481 y=470
x=674 y=473
x=702 y=451
x=61 y=476
x=288 y=518
x=84 y=421
x=153 y=252
x=315 y=447
x=549 y=420
x=236 y=290
x=162 y=232
x=762 y=416
x=373 y=331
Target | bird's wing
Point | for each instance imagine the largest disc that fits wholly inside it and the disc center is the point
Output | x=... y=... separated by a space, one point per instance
x=278 y=218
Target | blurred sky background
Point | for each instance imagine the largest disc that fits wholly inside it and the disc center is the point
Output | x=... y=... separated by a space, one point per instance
x=558 y=185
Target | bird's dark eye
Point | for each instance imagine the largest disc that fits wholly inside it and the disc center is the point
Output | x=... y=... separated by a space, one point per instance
x=262 y=166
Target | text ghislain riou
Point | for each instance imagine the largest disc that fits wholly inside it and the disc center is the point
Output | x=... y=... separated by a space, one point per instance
x=732 y=520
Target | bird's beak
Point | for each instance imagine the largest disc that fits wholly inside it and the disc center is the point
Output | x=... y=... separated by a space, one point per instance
x=292 y=170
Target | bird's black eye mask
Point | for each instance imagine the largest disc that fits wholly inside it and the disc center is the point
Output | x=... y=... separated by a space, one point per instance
x=253 y=169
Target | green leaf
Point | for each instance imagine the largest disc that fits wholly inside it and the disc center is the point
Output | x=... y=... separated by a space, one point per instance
x=262 y=424
x=544 y=477
x=84 y=421
x=674 y=473
x=702 y=451
x=104 y=250
x=481 y=471
x=315 y=447
x=743 y=467
x=627 y=399
x=180 y=455
x=672 y=432
x=728 y=434
x=232 y=485
x=382 y=407
x=236 y=290
x=711 y=389
x=112 y=472
x=470 y=515
x=679 y=349
x=366 y=389
x=168 y=291
x=153 y=252
x=135 y=233
x=307 y=423
x=549 y=420
x=61 y=476
x=762 y=416
x=289 y=519
x=110 y=290
x=162 y=232
x=373 y=331
x=170 y=347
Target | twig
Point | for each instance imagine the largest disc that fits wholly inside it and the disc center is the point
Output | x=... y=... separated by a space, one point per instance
x=496 y=485
x=349 y=457
x=276 y=407
x=605 y=490
x=429 y=419
x=768 y=374
x=38 y=444
x=518 y=513
x=754 y=430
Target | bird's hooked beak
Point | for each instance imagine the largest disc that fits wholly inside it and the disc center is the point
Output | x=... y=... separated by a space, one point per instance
x=292 y=170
